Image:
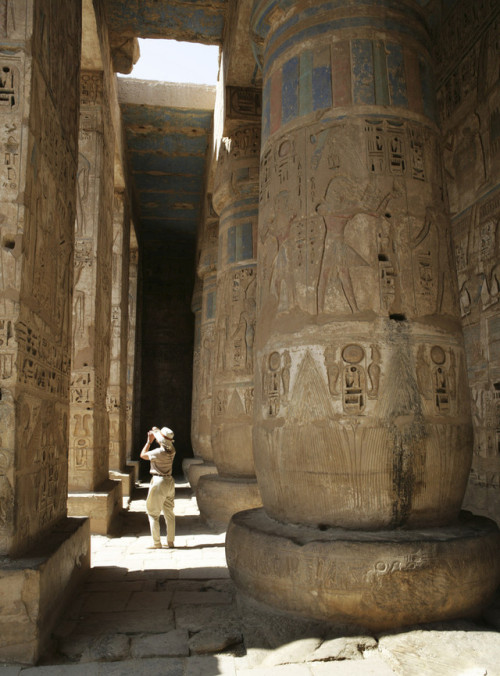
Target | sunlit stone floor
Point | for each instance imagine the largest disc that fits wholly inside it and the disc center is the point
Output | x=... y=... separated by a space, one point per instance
x=175 y=612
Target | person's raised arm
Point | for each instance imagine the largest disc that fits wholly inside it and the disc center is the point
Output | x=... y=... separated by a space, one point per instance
x=151 y=438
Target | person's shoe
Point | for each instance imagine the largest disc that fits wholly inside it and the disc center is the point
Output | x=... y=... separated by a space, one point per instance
x=157 y=545
x=171 y=545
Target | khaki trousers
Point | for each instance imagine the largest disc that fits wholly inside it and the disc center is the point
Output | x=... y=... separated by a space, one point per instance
x=161 y=499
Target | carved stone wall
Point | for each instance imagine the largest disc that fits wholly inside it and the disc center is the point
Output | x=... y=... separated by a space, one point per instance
x=89 y=428
x=197 y=370
x=469 y=106
x=131 y=338
x=39 y=69
x=207 y=273
x=117 y=386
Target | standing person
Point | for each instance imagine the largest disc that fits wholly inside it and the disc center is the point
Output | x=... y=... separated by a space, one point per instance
x=162 y=487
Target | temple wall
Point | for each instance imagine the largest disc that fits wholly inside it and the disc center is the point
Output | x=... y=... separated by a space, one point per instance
x=39 y=101
x=468 y=51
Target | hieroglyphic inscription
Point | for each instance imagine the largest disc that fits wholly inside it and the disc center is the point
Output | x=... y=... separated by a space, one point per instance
x=244 y=103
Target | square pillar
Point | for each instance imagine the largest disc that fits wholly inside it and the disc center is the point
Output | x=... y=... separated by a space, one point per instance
x=91 y=492
x=43 y=553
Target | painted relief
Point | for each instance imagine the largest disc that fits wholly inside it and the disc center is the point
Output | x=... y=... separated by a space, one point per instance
x=236 y=322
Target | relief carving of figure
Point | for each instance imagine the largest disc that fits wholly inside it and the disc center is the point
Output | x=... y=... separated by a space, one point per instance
x=282 y=279
x=345 y=198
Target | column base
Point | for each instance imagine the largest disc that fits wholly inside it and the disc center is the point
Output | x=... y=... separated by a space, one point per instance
x=36 y=588
x=126 y=477
x=134 y=465
x=101 y=506
x=186 y=464
x=220 y=497
x=197 y=470
x=375 y=580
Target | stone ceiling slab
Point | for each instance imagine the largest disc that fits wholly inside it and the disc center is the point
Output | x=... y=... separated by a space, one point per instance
x=167 y=130
x=186 y=20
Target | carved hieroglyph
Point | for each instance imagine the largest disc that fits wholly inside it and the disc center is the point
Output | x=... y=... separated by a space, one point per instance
x=362 y=415
x=89 y=427
x=236 y=200
x=39 y=64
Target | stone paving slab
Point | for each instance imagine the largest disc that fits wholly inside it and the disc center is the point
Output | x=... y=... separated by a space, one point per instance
x=171 y=644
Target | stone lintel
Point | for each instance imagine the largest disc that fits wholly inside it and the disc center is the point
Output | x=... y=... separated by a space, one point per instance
x=101 y=506
x=36 y=588
x=166 y=94
x=220 y=497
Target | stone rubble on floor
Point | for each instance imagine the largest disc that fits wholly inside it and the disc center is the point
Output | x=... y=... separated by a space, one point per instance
x=175 y=612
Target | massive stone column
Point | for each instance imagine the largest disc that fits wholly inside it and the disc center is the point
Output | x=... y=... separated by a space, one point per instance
x=362 y=435
x=91 y=492
x=201 y=436
x=236 y=200
x=116 y=398
x=43 y=554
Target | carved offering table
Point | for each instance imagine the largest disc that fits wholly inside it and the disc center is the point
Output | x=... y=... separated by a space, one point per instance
x=362 y=435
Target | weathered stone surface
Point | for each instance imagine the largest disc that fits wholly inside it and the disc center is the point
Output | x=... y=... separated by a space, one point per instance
x=214 y=640
x=219 y=497
x=442 y=651
x=365 y=579
x=171 y=644
x=167 y=666
x=296 y=651
x=195 y=618
x=35 y=589
x=344 y=648
x=106 y=649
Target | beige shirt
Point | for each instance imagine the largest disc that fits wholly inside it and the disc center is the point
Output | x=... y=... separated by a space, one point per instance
x=161 y=460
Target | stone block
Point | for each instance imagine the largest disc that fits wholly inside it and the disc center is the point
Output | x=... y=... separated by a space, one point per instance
x=126 y=477
x=36 y=588
x=102 y=506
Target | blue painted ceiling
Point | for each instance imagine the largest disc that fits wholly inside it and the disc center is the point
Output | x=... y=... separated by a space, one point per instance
x=187 y=20
x=166 y=150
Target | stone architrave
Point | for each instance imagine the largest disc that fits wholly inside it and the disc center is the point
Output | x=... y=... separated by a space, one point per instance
x=203 y=376
x=116 y=399
x=236 y=200
x=131 y=338
x=362 y=433
x=44 y=555
x=91 y=492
